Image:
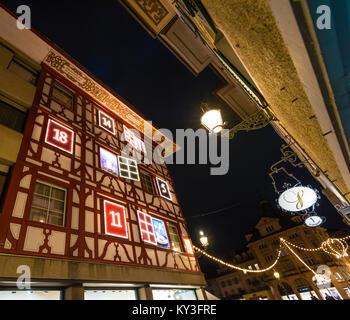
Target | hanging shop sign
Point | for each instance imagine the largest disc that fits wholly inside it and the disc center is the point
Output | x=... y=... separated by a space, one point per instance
x=313 y=221
x=59 y=136
x=133 y=140
x=106 y=122
x=297 y=199
x=163 y=189
x=115 y=219
x=108 y=161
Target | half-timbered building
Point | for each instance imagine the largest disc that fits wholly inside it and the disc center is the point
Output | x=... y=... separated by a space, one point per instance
x=84 y=218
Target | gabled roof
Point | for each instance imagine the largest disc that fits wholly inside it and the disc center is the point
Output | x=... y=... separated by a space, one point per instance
x=271 y=213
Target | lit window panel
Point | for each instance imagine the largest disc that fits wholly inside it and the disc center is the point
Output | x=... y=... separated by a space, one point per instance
x=133 y=140
x=146 y=228
x=128 y=168
x=108 y=161
x=106 y=122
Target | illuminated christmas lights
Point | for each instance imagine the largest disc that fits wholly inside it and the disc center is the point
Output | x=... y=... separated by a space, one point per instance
x=236 y=267
x=336 y=247
x=301 y=260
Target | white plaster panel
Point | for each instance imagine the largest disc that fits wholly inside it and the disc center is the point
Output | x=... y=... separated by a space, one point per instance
x=89 y=157
x=110 y=253
x=101 y=245
x=135 y=232
x=48 y=155
x=89 y=202
x=140 y=194
x=152 y=255
x=15 y=229
x=122 y=253
x=34 y=146
x=75 y=196
x=75 y=218
x=57 y=242
x=73 y=240
x=20 y=203
x=25 y=181
x=77 y=151
x=34 y=239
x=91 y=245
x=89 y=221
x=98 y=223
x=36 y=133
x=161 y=257
x=40 y=119
x=46 y=89
x=186 y=262
x=55 y=106
x=65 y=162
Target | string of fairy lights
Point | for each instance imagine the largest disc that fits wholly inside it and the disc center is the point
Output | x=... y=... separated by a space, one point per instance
x=336 y=247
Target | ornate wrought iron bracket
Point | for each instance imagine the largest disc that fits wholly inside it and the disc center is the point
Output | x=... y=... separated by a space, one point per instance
x=257 y=120
x=288 y=155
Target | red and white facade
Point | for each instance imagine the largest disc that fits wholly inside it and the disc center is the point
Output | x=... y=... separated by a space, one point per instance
x=61 y=146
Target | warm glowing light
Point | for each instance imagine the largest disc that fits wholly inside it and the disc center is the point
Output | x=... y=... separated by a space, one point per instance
x=236 y=267
x=212 y=120
x=174 y=248
x=276 y=275
x=59 y=136
x=204 y=241
x=337 y=247
x=301 y=260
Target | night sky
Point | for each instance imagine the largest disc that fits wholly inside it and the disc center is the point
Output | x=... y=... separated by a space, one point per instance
x=106 y=40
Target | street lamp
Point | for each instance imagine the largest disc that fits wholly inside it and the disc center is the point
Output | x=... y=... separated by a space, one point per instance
x=204 y=242
x=213 y=122
x=276 y=275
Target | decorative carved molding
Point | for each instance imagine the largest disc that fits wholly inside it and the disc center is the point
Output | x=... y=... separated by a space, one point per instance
x=65 y=68
x=154 y=9
x=153 y=15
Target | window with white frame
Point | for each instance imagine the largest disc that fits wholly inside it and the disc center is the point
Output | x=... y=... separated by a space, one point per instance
x=175 y=239
x=49 y=204
x=128 y=168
